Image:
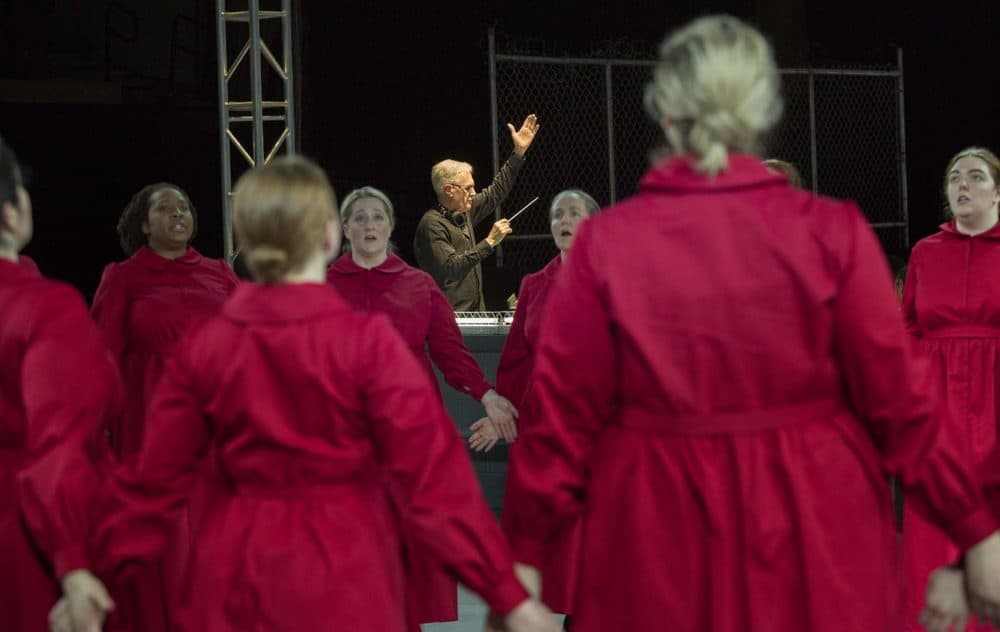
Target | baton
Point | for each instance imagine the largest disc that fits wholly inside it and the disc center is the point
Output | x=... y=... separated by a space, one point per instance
x=523 y=209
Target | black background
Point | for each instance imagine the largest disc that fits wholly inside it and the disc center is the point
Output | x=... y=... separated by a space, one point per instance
x=388 y=88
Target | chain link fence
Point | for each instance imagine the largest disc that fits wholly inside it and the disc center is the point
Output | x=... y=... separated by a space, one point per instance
x=842 y=127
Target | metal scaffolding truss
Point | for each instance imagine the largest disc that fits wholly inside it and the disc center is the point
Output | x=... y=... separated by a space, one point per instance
x=238 y=109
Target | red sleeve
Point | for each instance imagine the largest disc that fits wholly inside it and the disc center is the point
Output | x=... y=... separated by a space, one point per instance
x=138 y=507
x=550 y=474
x=444 y=506
x=70 y=389
x=448 y=350
x=110 y=309
x=910 y=297
x=514 y=369
x=885 y=383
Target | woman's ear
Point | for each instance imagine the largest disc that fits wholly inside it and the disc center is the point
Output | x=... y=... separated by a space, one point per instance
x=12 y=218
x=15 y=221
x=8 y=217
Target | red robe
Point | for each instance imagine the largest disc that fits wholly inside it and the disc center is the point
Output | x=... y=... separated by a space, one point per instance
x=951 y=304
x=304 y=404
x=724 y=380
x=514 y=373
x=28 y=263
x=142 y=306
x=421 y=314
x=517 y=361
x=58 y=390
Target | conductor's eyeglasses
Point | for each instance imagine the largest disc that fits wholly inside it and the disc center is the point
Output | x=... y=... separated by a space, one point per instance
x=470 y=188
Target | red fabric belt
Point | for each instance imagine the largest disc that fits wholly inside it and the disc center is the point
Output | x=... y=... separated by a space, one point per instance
x=662 y=422
x=963 y=331
x=306 y=490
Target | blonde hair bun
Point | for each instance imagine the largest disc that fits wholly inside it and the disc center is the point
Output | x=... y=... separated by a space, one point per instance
x=280 y=212
x=718 y=82
x=269 y=264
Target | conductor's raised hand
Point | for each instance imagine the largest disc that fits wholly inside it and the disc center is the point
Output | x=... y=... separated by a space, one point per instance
x=502 y=413
x=524 y=136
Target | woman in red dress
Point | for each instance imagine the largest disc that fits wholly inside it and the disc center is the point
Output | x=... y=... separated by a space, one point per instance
x=723 y=380
x=373 y=279
x=304 y=404
x=951 y=304
x=143 y=306
x=947 y=607
x=58 y=390
x=517 y=361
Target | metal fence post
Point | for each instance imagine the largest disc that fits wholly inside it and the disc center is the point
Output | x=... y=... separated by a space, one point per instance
x=609 y=104
x=812 y=132
x=494 y=127
x=903 y=192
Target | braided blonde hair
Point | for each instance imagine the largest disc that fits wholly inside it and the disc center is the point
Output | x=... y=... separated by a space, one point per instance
x=718 y=82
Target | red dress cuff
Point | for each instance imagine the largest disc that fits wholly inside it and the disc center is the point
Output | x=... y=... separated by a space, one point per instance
x=69 y=558
x=973 y=528
x=480 y=389
x=530 y=552
x=507 y=594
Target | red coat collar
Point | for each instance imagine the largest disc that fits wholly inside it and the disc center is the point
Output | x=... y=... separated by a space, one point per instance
x=678 y=174
x=261 y=303
x=11 y=270
x=345 y=264
x=552 y=268
x=950 y=228
x=148 y=257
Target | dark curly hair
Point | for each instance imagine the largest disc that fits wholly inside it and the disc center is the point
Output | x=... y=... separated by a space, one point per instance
x=137 y=211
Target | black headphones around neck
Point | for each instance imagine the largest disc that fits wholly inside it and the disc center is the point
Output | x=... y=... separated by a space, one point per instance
x=458 y=219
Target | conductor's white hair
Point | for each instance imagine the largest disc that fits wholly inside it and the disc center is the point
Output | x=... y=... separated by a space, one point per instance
x=446 y=171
